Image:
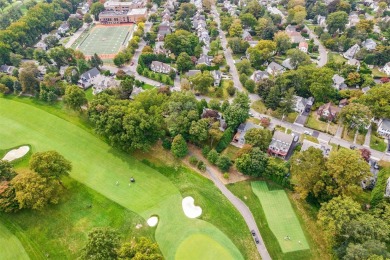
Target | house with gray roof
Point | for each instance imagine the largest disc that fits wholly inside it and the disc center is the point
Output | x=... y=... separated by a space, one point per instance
x=274 y=69
x=369 y=44
x=217 y=76
x=204 y=59
x=286 y=63
x=259 y=75
x=351 y=52
x=325 y=148
x=246 y=36
x=303 y=104
x=384 y=128
x=7 y=69
x=86 y=78
x=280 y=144
x=338 y=82
x=239 y=137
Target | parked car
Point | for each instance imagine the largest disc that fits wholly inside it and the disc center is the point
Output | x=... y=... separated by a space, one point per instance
x=257 y=240
x=307 y=132
x=253 y=232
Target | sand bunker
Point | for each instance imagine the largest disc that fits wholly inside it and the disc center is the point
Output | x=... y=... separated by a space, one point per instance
x=16 y=153
x=190 y=210
x=152 y=221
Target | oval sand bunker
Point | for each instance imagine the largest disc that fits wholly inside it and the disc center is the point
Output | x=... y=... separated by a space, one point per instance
x=152 y=221
x=16 y=153
x=190 y=210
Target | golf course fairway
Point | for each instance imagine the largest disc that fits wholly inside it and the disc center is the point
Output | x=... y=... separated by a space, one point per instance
x=11 y=248
x=100 y=167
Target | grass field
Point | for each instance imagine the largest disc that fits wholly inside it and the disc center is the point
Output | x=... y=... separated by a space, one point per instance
x=105 y=40
x=281 y=217
x=99 y=166
x=377 y=143
x=11 y=248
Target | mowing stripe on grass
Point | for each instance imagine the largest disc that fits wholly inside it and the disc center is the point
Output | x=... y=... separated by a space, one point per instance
x=99 y=166
x=11 y=248
x=281 y=217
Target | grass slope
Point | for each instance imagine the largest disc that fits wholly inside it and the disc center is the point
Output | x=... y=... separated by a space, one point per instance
x=60 y=231
x=11 y=248
x=281 y=217
x=99 y=166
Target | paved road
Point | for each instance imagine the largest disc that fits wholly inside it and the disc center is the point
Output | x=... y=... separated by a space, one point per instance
x=227 y=52
x=244 y=211
x=76 y=35
x=322 y=136
x=321 y=49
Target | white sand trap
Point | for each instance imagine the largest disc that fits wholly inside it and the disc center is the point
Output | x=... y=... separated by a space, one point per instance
x=16 y=153
x=190 y=210
x=152 y=221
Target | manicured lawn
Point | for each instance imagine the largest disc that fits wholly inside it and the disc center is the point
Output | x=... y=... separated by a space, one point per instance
x=99 y=166
x=243 y=190
x=89 y=95
x=259 y=107
x=147 y=86
x=348 y=134
x=360 y=139
x=216 y=208
x=377 y=73
x=289 y=118
x=316 y=124
x=377 y=143
x=231 y=151
x=61 y=230
x=281 y=217
x=336 y=57
x=309 y=138
x=11 y=248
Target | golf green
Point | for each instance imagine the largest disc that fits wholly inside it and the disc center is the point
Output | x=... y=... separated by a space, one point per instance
x=100 y=167
x=11 y=248
x=281 y=217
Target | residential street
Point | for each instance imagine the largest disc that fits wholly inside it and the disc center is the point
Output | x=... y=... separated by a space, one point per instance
x=321 y=49
x=244 y=211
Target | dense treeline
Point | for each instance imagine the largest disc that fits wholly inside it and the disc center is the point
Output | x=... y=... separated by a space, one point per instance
x=26 y=31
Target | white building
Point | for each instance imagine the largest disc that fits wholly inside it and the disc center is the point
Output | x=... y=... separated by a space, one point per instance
x=384 y=128
x=386 y=68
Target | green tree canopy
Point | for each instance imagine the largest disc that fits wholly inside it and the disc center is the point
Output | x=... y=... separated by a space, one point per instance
x=179 y=146
x=102 y=244
x=74 y=97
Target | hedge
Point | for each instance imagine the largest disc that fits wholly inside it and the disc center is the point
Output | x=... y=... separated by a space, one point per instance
x=378 y=192
x=225 y=140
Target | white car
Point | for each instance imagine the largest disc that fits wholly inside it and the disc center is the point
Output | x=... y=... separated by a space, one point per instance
x=307 y=132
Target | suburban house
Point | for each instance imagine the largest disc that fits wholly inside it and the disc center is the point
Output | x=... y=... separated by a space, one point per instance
x=160 y=67
x=259 y=75
x=85 y=8
x=246 y=36
x=239 y=137
x=274 y=69
x=7 y=69
x=303 y=104
x=101 y=83
x=369 y=44
x=192 y=73
x=354 y=62
x=321 y=21
x=351 y=52
x=86 y=79
x=287 y=64
x=217 y=75
x=163 y=30
x=338 y=82
x=204 y=59
x=328 y=111
x=325 y=148
x=159 y=48
x=295 y=37
x=384 y=128
x=353 y=19
x=216 y=116
x=343 y=102
x=386 y=68
x=280 y=144
x=303 y=46
x=64 y=27
x=41 y=45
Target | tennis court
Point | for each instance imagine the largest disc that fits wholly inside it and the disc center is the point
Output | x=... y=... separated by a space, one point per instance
x=281 y=217
x=105 y=40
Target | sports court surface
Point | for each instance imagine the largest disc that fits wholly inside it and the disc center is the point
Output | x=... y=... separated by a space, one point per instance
x=105 y=40
x=281 y=217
